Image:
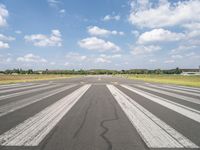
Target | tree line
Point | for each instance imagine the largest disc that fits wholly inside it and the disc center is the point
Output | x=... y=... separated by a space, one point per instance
x=93 y=71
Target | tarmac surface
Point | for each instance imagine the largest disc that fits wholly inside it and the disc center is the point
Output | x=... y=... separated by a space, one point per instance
x=99 y=113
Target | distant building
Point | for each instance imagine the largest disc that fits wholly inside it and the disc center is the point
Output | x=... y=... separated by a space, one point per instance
x=188 y=72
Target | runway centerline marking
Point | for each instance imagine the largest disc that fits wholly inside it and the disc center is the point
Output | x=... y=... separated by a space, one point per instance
x=33 y=130
x=154 y=132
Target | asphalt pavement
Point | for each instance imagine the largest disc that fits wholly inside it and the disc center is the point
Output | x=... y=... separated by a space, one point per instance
x=99 y=113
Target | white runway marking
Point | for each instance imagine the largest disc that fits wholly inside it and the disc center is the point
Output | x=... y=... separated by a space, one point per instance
x=13 y=106
x=14 y=85
x=183 y=88
x=187 y=87
x=185 y=98
x=22 y=88
x=154 y=132
x=181 y=109
x=26 y=92
x=175 y=90
x=33 y=130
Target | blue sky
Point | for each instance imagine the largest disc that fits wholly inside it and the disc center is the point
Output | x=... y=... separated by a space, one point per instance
x=109 y=34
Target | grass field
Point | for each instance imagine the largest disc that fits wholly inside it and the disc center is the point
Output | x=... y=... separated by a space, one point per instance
x=193 y=81
x=7 y=79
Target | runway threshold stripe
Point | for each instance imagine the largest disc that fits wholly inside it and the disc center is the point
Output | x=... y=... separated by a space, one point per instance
x=13 y=106
x=175 y=90
x=26 y=92
x=154 y=132
x=181 y=109
x=22 y=88
x=181 y=97
x=33 y=130
x=182 y=88
x=187 y=87
x=5 y=86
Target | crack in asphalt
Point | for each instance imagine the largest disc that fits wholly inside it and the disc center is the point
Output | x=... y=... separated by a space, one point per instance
x=83 y=122
x=106 y=129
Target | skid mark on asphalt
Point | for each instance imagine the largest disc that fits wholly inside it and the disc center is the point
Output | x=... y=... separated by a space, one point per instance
x=106 y=129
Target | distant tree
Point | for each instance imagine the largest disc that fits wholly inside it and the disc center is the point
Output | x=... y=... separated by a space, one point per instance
x=178 y=71
x=29 y=71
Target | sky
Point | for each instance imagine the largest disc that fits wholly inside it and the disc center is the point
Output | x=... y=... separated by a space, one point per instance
x=101 y=34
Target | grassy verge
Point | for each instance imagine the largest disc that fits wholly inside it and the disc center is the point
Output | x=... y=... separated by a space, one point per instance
x=193 y=81
x=8 y=79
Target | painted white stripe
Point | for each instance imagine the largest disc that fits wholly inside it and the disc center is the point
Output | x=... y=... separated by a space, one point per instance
x=33 y=130
x=187 y=87
x=22 y=88
x=175 y=90
x=13 y=106
x=181 y=109
x=154 y=132
x=6 y=86
x=26 y=92
x=185 y=98
x=181 y=88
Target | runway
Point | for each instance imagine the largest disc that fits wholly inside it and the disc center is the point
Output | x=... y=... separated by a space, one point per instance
x=99 y=113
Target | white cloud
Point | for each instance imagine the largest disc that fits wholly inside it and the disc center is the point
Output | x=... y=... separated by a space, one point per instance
x=111 y=56
x=142 y=50
x=3 y=15
x=96 y=31
x=102 y=60
x=62 y=11
x=4 y=41
x=75 y=59
x=192 y=26
x=193 y=30
x=190 y=54
x=177 y=56
x=135 y=33
x=52 y=63
x=18 y=32
x=5 y=59
x=169 y=61
x=6 y=38
x=164 y=13
x=75 y=56
x=8 y=59
x=31 y=58
x=42 y=40
x=193 y=34
x=159 y=35
x=94 y=43
x=152 y=60
x=53 y=3
x=116 y=56
x=3 y=45
x=67 y=64
x=181 y=49
x=111 y=17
